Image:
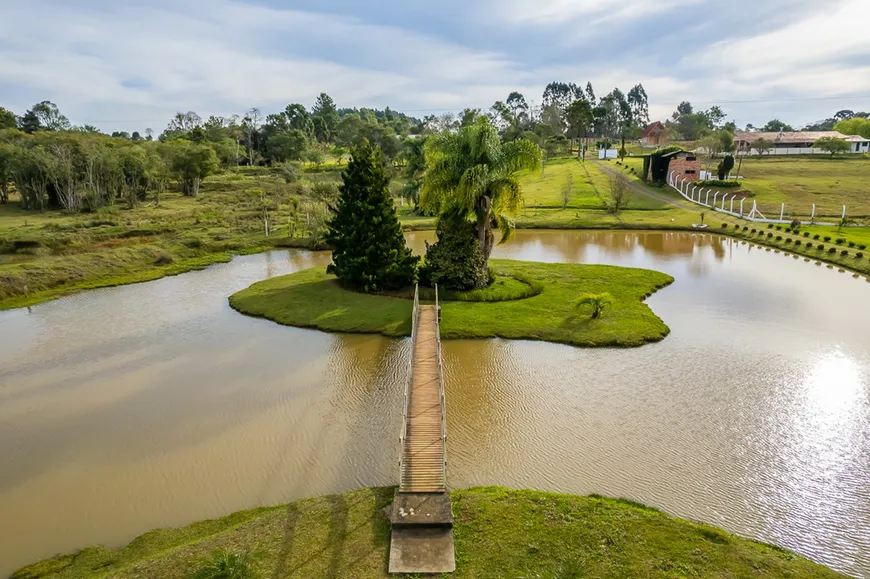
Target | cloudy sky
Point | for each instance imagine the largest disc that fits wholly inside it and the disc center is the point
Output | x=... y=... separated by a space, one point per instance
x=130 y=64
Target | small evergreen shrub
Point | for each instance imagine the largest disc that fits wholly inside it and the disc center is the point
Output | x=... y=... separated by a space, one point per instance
x=797 y=242
x=770 y=234
x=832 y=251
x=745 y=228
x=840 y=241
x=816 y=237
x=862 y=247
x=779 y=237
x=851 y=244
x=788 y=240
x=724 y=226
x=753 y=231
x=770 y=225
x=827 y=238
x=779 y=227
x=806 y=233
x=844 y=252
x=859 y=255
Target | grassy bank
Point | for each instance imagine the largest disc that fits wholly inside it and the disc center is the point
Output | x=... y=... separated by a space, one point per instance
x=313 y=299
x=499 y=533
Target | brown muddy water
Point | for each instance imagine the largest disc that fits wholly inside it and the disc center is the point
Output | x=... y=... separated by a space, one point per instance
x=152 y=405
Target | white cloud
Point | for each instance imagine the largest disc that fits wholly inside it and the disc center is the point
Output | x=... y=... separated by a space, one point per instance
x=808 y=56
x=140 y=62
x=547 y=12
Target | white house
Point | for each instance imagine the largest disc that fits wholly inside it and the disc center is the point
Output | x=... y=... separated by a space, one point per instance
x=797 y=142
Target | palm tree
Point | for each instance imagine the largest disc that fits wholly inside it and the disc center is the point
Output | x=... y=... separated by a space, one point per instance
x=597 y=301
x=470 y=172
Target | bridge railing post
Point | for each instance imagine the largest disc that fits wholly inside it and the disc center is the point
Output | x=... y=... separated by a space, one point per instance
x=441 y=383
x=414 y=317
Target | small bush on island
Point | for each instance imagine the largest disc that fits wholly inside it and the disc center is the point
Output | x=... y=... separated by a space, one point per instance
x=597 y=302
x=827 y=238
x=859 y=255
x=845 y=252
x=770 y=225
x=797 y=242
x=724 y=226
x=779 y=227
x=816 y=237
x=806 y=233
x=770 y=235
x=862 y=247
x=851 y=244
x=840 y=241
x=832 y=251
x=455 y=261
x=226 y=564
x=779 y=237
x=788 y=240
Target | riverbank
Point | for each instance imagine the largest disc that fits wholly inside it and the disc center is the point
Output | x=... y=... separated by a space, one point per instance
x=50 y=254
x=313 y=299
x=499 y=533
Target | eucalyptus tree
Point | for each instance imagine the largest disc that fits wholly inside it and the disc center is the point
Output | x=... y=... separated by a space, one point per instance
x=473 y=174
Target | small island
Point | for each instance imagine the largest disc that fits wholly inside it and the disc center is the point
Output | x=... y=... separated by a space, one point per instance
x=527 y=300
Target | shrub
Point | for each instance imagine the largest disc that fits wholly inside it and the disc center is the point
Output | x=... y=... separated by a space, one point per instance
x=745 y=228
x=827 y=238
x=851 y=244
x=806 y=233
x=226 y=564
x=844 y=252
x=718 y=184
x=832 y=251
x=788 y=229
x=770 y=234
x=840 y=241
x=795 y=224
x=753 y=231
x=455 y=261
x=859 y=255
x=779 y=237
x=788 y=240
x=597 y=301
x=820 y=247
x=724 y=226
x=797 y=242
x=809 y=245
x=770 y=225
x=816 y=236
x=862 y=247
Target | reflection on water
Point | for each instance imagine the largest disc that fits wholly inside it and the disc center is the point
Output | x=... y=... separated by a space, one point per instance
x=130 y=408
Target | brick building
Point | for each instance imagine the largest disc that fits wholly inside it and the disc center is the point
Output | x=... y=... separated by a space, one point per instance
x=684 y=164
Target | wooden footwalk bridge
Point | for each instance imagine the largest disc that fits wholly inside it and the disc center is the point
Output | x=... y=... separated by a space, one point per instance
x=421 y=515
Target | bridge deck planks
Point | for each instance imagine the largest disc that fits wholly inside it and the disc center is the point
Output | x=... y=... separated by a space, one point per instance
x=423 y=451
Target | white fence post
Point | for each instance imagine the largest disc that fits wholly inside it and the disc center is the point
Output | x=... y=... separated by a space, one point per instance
x=707 y=198
x=844 y=212
x=741 y=206
x=781 y=211
x=732 y=205
x=813 y=215
x=723 y=201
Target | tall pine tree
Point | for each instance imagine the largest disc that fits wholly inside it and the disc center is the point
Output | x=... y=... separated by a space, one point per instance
x=369 y=252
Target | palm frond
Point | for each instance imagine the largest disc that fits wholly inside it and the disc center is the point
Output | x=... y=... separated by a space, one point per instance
x=520 y=155
x=506 y=227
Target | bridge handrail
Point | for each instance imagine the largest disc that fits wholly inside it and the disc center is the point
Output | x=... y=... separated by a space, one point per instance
x=414 y=317
x=441 y=382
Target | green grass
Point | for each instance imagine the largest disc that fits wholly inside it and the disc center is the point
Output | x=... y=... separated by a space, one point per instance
x=800 y=182
x=589 y=191
x=499 y=533
x=313 y=299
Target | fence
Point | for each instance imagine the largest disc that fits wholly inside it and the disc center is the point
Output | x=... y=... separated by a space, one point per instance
x=404 y=434
x=724 y=202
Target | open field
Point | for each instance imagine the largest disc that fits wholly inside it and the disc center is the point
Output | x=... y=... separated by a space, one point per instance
x=313 y=299
x=589 y=191
x=498 y=532
x=800 y=182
